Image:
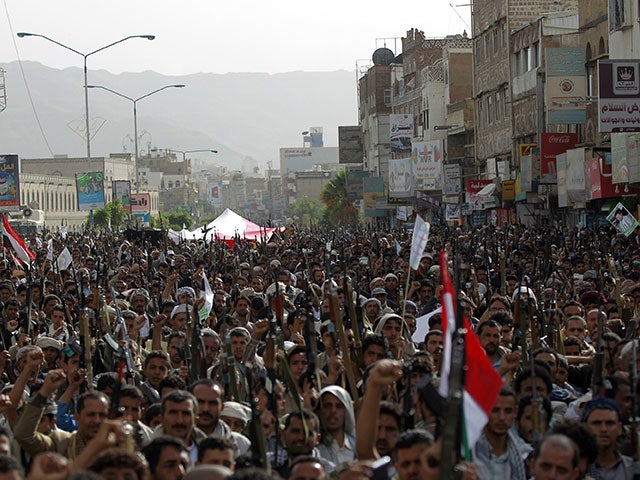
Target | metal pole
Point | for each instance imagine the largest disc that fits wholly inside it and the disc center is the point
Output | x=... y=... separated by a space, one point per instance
x=135 y=142
x=86 y=113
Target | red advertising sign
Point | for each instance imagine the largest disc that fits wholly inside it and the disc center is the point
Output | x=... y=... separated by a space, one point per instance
x=474 y=186
x=554 y=144
x=600 y=178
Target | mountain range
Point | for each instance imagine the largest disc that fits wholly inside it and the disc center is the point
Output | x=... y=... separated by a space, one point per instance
x=247 y=117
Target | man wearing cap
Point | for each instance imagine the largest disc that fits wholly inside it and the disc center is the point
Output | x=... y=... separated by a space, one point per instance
x=371 y=312
x=603 y=418
x=185 y=295
x=381 y=295
x=139 y=301
x=236 y=415
x=51 y=349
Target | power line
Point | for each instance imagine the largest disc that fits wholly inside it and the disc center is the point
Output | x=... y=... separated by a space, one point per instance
x=24 y=78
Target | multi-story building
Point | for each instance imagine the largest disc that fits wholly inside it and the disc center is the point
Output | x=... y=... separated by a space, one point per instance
x=374 y=106
x=493 y=23
x=594 y=37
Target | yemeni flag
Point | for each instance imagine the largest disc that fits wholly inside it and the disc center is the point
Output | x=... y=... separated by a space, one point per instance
x=22 y=251
x=482 y=383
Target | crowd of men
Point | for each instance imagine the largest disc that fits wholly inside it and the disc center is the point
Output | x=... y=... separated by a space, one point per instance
x=317 y=354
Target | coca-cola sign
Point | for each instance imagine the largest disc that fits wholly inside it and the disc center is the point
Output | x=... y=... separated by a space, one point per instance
x=561 y=139
x=554 y=144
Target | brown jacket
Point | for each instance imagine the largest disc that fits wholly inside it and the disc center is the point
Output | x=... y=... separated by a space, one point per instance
x=34 y=442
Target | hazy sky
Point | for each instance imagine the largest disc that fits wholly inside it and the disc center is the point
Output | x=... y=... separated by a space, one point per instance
x=219 y=36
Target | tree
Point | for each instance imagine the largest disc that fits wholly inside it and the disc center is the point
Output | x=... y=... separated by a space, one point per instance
x=112 y=215
x=178 y=220
x=339 y=210
x=307 y=210
x=156 y=223
x=117 y=213
x=100 y=218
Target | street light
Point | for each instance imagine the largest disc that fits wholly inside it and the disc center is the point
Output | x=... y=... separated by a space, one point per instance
x=184 y=152
x=85 y=56
x=135 y=115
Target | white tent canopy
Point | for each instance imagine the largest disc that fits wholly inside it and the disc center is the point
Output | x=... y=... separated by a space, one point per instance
x=229 y=225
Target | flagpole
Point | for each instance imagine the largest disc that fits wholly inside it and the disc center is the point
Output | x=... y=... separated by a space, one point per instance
x=454 y=418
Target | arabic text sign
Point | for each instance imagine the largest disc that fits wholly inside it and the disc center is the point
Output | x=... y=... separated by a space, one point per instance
x=9 y=183
x=140 y=202
x=401 y=131
x=566 y=85
x=619 y=95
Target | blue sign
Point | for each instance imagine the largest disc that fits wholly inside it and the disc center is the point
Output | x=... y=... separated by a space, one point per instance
x=90 y=188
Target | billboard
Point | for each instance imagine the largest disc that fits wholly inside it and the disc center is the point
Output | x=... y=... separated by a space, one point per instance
x=350 y=144
x=452 y=177
x=576 y=181
x=566 y=85
x=140 y=203
x=90 y=188
x=9 y=183
x=401 y=126
x=427 y=159
x=619 y=96
x=400 y=178
x=374 y=197
x=122 y=190
x=553 y=144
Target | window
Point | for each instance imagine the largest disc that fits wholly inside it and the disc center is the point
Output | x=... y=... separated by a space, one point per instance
x=498 y=94
x=387 y=96
x=487 y=47
x=505 y=43
x=495 y=41
x=478 y=51
x=534 y=52
x=591 y=80
x=515 y=67
x=480 y=118
x=489 y=109
x=505 y=96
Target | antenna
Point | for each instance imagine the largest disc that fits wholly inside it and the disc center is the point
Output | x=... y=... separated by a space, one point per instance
x=454 y=8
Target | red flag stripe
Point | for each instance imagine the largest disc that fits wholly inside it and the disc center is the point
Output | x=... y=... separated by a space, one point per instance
x=17 y=242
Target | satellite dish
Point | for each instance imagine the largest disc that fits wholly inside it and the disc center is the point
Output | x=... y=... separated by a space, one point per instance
x=382 y=56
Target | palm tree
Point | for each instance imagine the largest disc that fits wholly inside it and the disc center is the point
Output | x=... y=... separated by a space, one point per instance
x=339 y=209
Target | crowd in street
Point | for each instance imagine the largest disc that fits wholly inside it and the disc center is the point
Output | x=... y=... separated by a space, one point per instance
x=318 y=353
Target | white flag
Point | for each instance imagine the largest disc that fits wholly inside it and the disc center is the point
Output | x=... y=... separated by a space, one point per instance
x=208 y=298
x=64 y=259
x=419 y=241
x=50 y=249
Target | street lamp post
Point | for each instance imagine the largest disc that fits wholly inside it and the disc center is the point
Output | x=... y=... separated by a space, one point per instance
x=85 y=56
x=135 y=116
x=184 y=152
